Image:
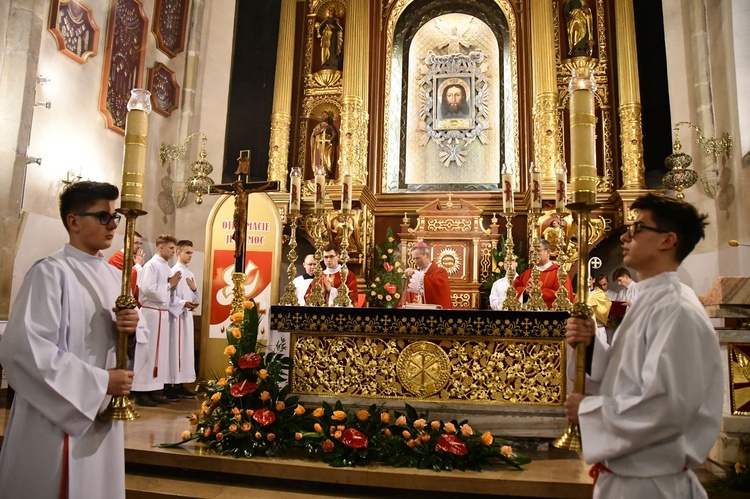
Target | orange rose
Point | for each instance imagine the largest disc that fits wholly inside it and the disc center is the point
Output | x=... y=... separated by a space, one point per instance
x=238 y=417
x=193 y=419
x=450 y=428
x=217 y=428
x=219 y=437
x=419 y=424
x=318 y=412
x=232 y=428
x=298 y=436
x=270 y=437
x=230 y=350
x=265 y=396
x=318 y=428
x=337 y=435
x=236 y=332
x=235 y=410
x=385 y=417
x=363 y=415
x=466 y=430
x=186 y=434
x=258 y=435
x=401 y=421
x=328 y=446
x=487 y=438
x=425 y=437
x=222 y=382
x=338 y=416
x=229 y=370
x=237 y=317
x=387 y=432
x=248 y=304
x=262 y=374
x=246 y=427
x=299 y=410
x=249 y=412
x=506 y=450
x=216 y=397
x=412 y=443
x=405 y=434
x=207 y=432
x=280 y=406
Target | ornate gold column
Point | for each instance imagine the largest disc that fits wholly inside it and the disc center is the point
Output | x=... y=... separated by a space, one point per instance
x=546 y=146
x=281 y=118
x=354 y=117
x=631 y=131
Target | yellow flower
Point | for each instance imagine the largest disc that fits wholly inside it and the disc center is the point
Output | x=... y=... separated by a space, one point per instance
x=338 y=415
x=237 y=317
x=388 y=298
x=230 y=350
x=466 y=430
x=186 y=434
x=380 y=297
x=236 y=332
x=740 y=468
x=262 y=374
x=377 y=279
x=223 y=382
x=280 y=406
x=384 y=257
x=419 y=424
x=232 y=427
x=390 y=239
x=229 y=370
x=400 y=271
x=258 y=435
x=299 y=410
x=385 y=417
x=238 y=418
x=373 y=285
x=397 y=296
x=216 y=397
x=487 y=438
x=337 y=435
x=373 y=293
x=390 y=250
x=401 y=421
x=318 y=412
x=449 y=428
x=264 y=396
x=363 y=415
x=506 y=450
x=397 y=264
x=248 y=304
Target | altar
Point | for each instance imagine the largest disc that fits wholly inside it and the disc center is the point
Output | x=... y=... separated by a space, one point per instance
x=505 y=371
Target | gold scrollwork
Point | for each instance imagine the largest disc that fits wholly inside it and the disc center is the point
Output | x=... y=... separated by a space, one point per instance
x=631 y=138
x=545 y=136
x=485 y=260
x=521 y=372
x=423 y=368
x=448 y=225
x=449 y=259
x=461 y=300
x=279 y=148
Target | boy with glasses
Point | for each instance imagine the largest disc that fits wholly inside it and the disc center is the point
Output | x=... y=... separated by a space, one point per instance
x=658 y=412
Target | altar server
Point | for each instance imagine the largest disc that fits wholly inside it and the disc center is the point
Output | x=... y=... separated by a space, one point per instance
x=499 y=290
x=659 y=409
x=58 y=353
x=303 y=281
x=331 y=278
x=428 y=282
x=547 y=276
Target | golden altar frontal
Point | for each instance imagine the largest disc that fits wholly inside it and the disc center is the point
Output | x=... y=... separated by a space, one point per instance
x=450 y=356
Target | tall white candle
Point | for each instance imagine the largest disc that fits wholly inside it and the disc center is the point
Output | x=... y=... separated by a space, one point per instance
x=508 y=206
x=346 y=193
x=536 y=188
x=561 y=177
x=295 y=193
x=320 y=192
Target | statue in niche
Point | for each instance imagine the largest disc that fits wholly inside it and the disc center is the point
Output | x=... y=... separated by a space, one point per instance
x=579 y=24
x=331 y=35
x=323 y=141
x=456 y=43
x=554 y=234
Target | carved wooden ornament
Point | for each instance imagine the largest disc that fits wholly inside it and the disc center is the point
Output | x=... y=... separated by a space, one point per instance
x=72 y=24
x=165 y=91
x=170 y=24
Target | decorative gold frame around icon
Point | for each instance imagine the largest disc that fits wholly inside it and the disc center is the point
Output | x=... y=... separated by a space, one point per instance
x=739 y=373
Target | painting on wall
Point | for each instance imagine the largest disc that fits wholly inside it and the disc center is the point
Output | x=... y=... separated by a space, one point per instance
x=170 y=25
x=165 y=91
x=124 y=60
x=72 y=24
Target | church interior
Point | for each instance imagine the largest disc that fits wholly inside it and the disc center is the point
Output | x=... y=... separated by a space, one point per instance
x=376 y=126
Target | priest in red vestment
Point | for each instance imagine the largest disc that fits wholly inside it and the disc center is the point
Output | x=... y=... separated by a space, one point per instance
x=547 y=275
x=331 y=278
x=428 y=283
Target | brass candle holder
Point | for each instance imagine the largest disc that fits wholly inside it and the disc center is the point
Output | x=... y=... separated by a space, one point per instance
x=511 y=301
x=342 y=298
x=536 y=302
x=316 y=298
x=290 y=292
x=562 y=298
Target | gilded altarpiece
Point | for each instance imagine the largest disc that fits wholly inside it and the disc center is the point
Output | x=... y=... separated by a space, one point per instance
x=72 y=24
x=124 y=60
x=458 y=242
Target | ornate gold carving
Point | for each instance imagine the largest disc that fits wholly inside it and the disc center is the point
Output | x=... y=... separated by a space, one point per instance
x=335 y=226
x=449 y=259
x=354 y=122
x=278 y=148
x=545 y=136
x=485 y=260
x=423 y=368
x=739 y=375
x=461 y=300
x=632 y=215
x=493 y=371
x=326 y=78
x=606 y=182
x=448 y=225
x=631 y=140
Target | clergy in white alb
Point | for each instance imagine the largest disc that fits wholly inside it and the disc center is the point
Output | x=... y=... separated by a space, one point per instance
x=499 y=290
x=659 y=409
x=155 y=288
x=182 y=328
x=58 y=354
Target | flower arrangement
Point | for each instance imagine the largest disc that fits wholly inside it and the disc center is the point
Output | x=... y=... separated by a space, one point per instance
x=246 y=413
x=387 y=285
x=736 y=477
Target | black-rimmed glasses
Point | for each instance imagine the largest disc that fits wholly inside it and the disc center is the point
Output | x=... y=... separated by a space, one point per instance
x=105 y=218
x=638 y=226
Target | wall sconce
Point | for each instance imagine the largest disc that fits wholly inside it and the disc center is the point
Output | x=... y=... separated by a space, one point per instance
x=71 y=177
x=680 y=177
x=44 y=104
x=31 y=160
x=41 y=80
x=200 y=183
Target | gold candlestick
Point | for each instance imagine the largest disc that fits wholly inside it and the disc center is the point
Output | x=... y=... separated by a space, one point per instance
x=583 y=185
x=290 y=292
x=536 y=302
x=131 y=204
x=562 y=298
x=511 y=301
x=316 y=298
x=343 y=299
x=238 y=296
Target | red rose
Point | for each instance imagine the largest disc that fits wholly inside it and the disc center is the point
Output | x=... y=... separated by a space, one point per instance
x=242 y=389
x=354 y=438
x=250 y=361
x=388 y=267
x=390 y=287
x=264 y=416
x=451 y=444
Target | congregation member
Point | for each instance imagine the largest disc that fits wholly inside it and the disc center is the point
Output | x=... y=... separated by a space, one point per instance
x=182 y=328
x=659 y=409
x=630 y=292
x=156 y=286
x=427 y=282
x=499 y=290
x=331 y=278
x=603 y=282
x=116 y=260
x=58 y=353
x=303 y=281
x=547 y=275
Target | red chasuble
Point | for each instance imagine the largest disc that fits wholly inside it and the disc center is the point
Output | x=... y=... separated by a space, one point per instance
x=351 y=283
x=437 y=290
x=550 y=284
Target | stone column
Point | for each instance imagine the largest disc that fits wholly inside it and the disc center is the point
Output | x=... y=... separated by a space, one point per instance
x=354 y=116
x=24 y=23
x=545 y=118
x=281 y=117
x=631 y=130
